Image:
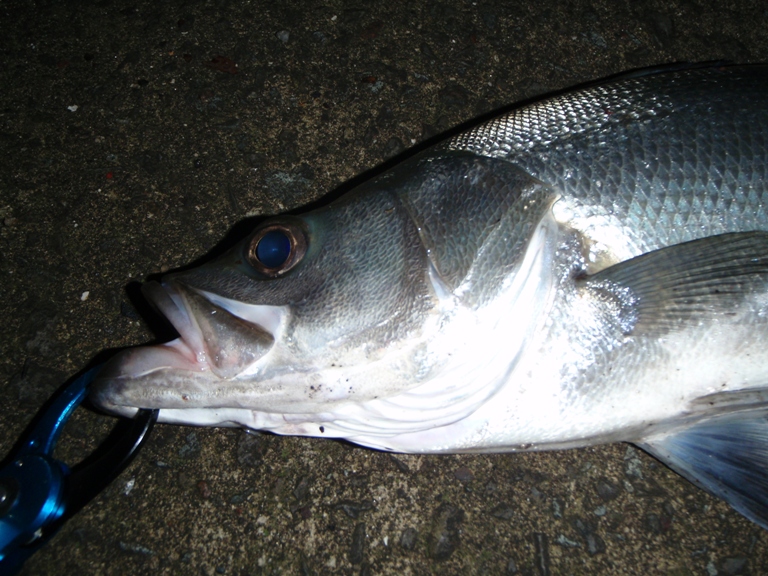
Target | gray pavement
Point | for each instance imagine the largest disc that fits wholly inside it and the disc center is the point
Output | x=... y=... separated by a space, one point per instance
x=134 y=135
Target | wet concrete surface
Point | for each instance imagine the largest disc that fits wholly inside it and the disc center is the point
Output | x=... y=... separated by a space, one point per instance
x=135 y=135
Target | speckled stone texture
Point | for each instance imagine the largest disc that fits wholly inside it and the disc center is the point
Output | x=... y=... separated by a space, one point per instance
x=135 y=135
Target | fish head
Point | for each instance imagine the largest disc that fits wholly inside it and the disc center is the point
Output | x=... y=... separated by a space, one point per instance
x=305 y=313
x=398 y=308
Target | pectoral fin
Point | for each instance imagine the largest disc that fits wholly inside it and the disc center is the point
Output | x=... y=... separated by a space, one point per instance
x=727 y=455
x=685 y=283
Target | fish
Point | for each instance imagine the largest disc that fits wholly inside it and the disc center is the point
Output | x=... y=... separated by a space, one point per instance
x=587 y=268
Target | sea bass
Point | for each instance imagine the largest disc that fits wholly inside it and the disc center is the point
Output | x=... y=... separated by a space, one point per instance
x=589 y=268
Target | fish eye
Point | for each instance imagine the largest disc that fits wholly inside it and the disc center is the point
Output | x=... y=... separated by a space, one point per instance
x=277 y=248
x=273 y=249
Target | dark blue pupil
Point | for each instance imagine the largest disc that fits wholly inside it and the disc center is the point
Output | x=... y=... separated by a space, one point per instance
x=274 y=249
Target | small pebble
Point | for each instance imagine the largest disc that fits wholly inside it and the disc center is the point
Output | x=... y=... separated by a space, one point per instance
x=129 y=486
x=402 y=466
x=446 y=531
x=566 y=542
x=595 y=544
x=408 y=538
x=735 y=565
x=503 y=512
x=358 y=544
x=203 y=489
x=607 y=490
x=463 y=474
x=353 y=509
x=135 y=548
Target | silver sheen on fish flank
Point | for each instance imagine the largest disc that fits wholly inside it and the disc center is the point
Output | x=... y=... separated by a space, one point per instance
x=586 y=269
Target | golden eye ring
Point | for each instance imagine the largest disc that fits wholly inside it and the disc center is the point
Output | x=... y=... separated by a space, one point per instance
x=277 y=248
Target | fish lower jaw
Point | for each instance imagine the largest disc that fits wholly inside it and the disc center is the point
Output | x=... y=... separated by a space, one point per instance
x=114 y=387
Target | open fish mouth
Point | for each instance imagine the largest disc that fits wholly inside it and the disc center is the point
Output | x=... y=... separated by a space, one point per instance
x=211 y=338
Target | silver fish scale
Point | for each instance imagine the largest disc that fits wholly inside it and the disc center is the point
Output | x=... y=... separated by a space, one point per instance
x=545 y=123
x=668 y=157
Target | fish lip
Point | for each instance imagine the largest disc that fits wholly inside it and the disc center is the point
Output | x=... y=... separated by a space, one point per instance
x=114 y=389
x=214 y=345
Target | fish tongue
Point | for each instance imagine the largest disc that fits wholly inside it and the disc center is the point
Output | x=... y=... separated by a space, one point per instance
x=232 y=343
x=134 y=363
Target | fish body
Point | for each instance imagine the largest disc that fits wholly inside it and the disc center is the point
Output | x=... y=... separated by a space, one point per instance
x=589 y=268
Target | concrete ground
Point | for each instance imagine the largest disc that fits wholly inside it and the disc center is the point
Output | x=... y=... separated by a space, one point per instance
x=135 y=134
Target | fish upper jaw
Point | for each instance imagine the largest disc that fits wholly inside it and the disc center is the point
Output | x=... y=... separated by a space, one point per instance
x=169 y=301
